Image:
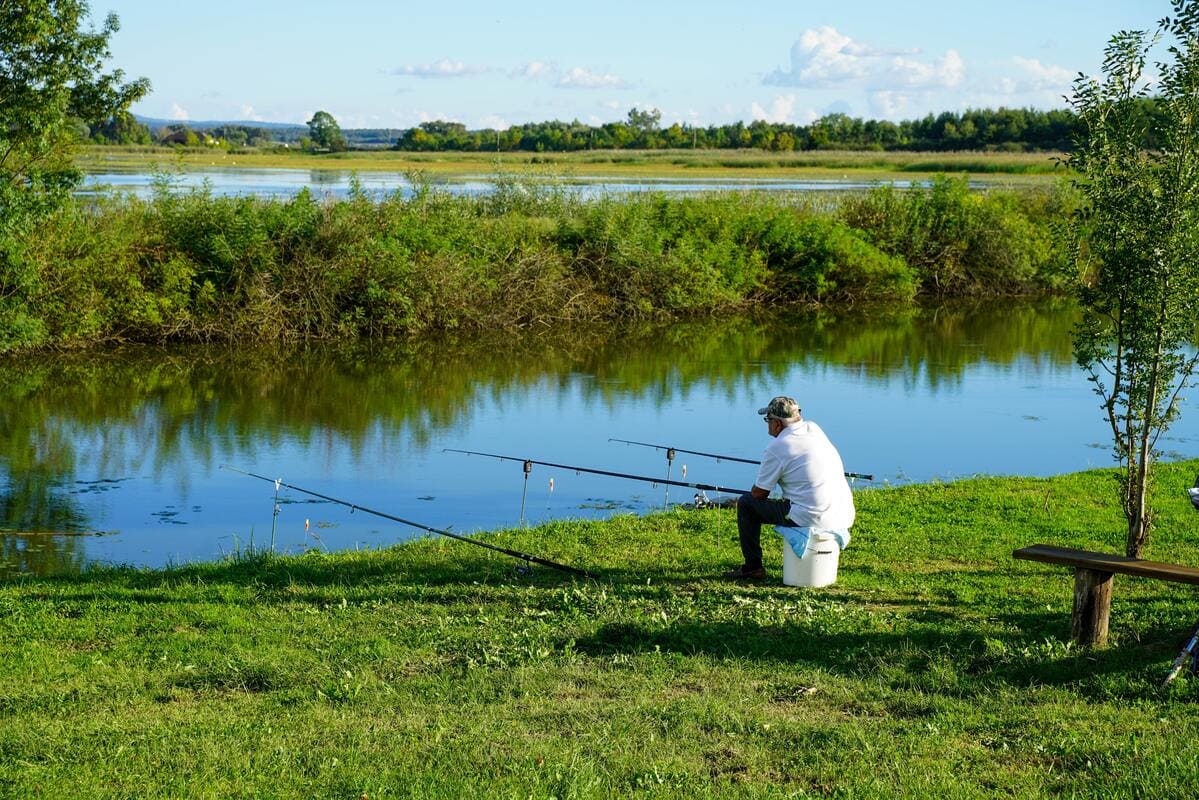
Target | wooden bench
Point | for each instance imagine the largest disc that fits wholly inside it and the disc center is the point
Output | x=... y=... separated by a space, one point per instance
x=1093 y=583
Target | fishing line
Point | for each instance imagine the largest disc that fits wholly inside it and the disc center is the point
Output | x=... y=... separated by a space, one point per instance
x=671 y=450
x=545 y=562
x=626 y=476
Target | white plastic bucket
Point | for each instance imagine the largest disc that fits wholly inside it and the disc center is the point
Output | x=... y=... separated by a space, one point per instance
x=818 y=567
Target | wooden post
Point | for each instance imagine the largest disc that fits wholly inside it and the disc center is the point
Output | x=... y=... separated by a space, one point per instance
x=1092 y=604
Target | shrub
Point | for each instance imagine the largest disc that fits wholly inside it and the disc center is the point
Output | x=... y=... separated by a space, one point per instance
x=190 y=266
x=958 y=242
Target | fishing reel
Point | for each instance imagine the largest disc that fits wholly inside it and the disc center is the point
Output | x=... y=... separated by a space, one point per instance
x=1193 y=493
x=702 y=501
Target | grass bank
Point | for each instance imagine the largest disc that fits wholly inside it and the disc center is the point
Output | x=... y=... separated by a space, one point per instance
x=189 y=266
x=1012 y=168
x=936 y=666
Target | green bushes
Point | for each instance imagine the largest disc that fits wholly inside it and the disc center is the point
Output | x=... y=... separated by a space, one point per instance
x=190 y=266
x=649 y=255
x=960 y=242
x=817 y=257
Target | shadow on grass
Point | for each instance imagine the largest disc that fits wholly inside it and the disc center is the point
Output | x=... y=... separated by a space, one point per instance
x=936 y=644
x=934 y=657
x=380 y=571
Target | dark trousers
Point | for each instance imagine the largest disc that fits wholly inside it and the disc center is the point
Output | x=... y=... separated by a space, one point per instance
x=752 y=513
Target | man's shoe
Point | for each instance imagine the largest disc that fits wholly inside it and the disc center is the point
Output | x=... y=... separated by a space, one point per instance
x=744 y=573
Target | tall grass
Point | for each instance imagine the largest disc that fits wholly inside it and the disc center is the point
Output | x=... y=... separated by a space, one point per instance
x=191 y=266
x=1030 y=167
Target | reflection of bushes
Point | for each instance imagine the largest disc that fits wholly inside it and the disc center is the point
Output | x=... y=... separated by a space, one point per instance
x=167 y=412
x=200 y=402
x=192 y=267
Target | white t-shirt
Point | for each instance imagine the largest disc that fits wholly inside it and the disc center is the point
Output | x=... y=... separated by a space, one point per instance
x=804 y=464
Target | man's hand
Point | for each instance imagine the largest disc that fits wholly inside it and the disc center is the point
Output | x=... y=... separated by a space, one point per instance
x=759 y=493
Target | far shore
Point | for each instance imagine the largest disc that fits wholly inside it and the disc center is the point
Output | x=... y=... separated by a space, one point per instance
x=997 y=168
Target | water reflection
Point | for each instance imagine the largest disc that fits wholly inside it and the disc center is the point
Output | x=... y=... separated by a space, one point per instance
x=130 y=440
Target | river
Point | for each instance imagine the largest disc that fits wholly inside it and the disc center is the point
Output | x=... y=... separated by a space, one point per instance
x=130 y=442
x=281 y=183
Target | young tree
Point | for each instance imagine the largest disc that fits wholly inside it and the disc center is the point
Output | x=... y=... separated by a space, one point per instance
x=644 y=122
x=325 y=132
x=51 y=73
x=121 y=128
x=52 y=84
x=1136 y=239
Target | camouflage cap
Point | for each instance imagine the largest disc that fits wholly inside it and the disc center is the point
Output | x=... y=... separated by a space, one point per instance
x=782 y=408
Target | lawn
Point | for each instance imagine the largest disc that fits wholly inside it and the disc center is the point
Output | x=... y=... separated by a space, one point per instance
x=935 y=666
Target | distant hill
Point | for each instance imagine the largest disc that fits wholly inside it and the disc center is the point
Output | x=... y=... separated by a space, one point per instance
x=281 y=131
x=205 y=124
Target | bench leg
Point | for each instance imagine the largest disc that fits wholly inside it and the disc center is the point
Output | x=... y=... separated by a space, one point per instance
x=1092 y=603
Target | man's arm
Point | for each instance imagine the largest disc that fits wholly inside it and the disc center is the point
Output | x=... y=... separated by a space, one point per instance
x=768 y=475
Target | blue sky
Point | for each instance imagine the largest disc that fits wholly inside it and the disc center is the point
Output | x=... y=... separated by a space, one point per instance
x=396 y=64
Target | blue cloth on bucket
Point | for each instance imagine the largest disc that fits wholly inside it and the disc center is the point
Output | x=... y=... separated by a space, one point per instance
x=798 y=537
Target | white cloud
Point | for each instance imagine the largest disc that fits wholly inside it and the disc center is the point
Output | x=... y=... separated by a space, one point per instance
x=1026 y=81
x=825 y=58
x=248 y=113
x=534 y=70
x=1033 y=76
x=780 y=110
x=890 y=104
x=494 y=121
x=615 y=105
x=179 y=112
x=945 y=72
x=434 y=116
x=579 y=78
x=444 y=68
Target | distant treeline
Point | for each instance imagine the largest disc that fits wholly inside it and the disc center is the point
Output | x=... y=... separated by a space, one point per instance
x=124 y=128
x=190 y=266
x=1005 y=129
x=127 y=129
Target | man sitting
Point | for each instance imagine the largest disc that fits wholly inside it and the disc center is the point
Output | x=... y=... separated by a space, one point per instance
x=806 y=467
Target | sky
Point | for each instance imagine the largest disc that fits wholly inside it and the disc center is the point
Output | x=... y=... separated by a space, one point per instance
x=375 y=64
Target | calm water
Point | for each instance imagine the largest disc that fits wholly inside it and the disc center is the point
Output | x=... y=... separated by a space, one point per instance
x=336 y=183
x=130 y=442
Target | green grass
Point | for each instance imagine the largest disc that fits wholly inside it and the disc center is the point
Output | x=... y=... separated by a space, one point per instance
x=936 y=666
x=683 y=164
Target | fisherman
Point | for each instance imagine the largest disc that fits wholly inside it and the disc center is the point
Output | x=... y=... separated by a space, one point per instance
x=806 y=467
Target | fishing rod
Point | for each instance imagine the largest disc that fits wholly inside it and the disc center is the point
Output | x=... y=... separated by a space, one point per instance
x=704 y=487
x=1190 y=652
x=545 y=562
x=672 y=451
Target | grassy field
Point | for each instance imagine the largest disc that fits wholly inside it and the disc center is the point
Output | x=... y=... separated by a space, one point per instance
x=936 y=666
x=728 y=164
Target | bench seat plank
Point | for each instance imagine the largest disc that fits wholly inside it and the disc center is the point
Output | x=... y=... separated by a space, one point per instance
x=1106 y=562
